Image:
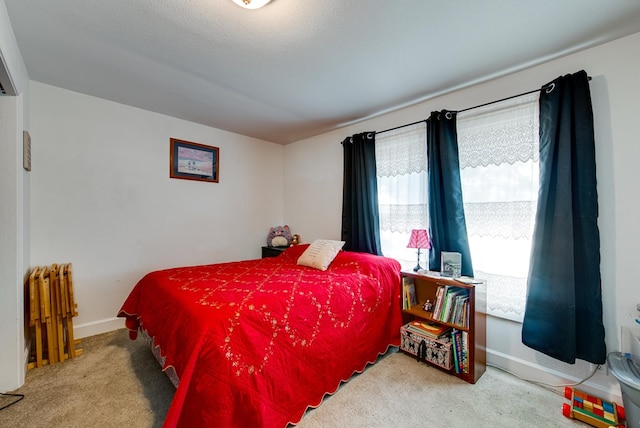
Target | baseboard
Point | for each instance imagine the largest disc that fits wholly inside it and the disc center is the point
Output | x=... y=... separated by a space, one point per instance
x=97 y=327
x=545 y=376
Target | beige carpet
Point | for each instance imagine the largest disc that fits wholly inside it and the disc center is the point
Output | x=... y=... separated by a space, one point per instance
x=118 y=383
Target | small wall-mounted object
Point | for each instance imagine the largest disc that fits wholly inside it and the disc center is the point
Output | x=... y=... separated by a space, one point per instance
x=26 y=150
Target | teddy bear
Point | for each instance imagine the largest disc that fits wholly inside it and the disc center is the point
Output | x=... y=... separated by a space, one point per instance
x=279 y=236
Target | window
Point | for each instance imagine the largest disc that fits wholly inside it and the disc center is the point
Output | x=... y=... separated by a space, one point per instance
x=401 y=164
x=498 y=148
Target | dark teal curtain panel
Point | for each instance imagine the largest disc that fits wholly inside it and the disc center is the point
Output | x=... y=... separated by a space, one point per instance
x=447 y=224
x=563 y=315
x=360 y=215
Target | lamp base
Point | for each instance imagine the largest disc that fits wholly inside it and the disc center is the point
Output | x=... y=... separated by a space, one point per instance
x=418 y=267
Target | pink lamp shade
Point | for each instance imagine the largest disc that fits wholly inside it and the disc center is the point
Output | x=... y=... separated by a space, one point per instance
x=419 y=239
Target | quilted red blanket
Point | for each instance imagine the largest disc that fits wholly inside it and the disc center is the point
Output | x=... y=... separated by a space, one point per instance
x=257 y=342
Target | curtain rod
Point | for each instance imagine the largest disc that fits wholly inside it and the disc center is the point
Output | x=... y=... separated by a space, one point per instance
x=401 y=126
x=469 y=108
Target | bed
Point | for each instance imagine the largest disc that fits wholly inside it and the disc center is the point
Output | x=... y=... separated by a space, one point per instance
x=258 y=342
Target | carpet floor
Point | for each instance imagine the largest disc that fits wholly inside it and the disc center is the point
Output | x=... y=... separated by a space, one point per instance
x=117 y=382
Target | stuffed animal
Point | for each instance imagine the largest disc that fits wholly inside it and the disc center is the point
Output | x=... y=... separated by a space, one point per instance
x=279 y=236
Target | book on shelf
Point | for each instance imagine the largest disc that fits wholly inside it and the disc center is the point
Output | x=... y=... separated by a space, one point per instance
x=405 y=302
x=456 y=341
x=455 y=351
x=437 y=305
x=409 y=298
x=411 y=295
x=452 y=305
x=434 y=331
x=465 y=351
x=450 y=302
x=450 y=264
x=460 y=310
x=468 y=280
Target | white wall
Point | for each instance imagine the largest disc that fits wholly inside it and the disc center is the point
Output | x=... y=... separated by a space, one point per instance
x=102 y=198
x=14 y=197
x=313 y=192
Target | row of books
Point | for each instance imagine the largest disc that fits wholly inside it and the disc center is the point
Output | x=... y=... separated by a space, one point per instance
x=408 y=293
x=459 y=343
x=452 y=305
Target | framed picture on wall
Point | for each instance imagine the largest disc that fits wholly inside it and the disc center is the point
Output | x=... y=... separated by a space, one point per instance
x=193 y=161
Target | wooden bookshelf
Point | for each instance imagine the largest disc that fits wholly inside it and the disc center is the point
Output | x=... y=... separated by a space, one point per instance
x=426 y=288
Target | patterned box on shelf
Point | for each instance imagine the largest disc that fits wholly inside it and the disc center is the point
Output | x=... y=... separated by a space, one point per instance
x=438 y=351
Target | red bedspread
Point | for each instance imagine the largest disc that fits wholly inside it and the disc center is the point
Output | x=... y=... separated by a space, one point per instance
x=255 y=343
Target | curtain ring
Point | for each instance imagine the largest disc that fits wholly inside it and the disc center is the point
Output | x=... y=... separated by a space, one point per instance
x=448 y=115
x=550 y=88
x=370 y=135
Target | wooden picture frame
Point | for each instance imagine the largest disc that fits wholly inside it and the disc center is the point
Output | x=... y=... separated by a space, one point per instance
x=193 y=161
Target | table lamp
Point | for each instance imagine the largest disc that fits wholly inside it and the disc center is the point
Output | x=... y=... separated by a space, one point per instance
x=419 y=239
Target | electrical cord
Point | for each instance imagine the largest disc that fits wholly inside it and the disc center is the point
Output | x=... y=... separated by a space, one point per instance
x=19 y=396
x=547 y=384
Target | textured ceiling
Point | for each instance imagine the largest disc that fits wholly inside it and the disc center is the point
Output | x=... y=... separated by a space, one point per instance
x=296 y=68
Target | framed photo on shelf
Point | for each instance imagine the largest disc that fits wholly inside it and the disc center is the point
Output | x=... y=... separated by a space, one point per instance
x=451 y=264
x=193 y=161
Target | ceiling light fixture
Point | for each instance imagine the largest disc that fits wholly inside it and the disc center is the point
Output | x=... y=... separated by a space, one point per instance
x=251 y=4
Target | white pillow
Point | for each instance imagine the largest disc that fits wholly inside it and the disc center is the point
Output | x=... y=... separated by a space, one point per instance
x=320 y=253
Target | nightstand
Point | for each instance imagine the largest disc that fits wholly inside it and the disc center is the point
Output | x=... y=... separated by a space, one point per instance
x=272 y=251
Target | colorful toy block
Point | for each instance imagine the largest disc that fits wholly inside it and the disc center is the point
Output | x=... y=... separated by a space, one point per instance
x=592 y=410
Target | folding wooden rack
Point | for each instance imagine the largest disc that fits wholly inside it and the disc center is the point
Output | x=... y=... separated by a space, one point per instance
x=50 y=315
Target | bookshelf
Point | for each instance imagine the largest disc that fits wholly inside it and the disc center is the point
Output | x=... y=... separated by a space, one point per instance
x=463 y=312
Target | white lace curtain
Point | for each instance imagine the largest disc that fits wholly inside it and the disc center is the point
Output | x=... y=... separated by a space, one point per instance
x=401 y=163
x=498 y=148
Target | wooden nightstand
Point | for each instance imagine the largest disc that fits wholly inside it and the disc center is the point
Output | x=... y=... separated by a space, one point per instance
x=272 y=251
